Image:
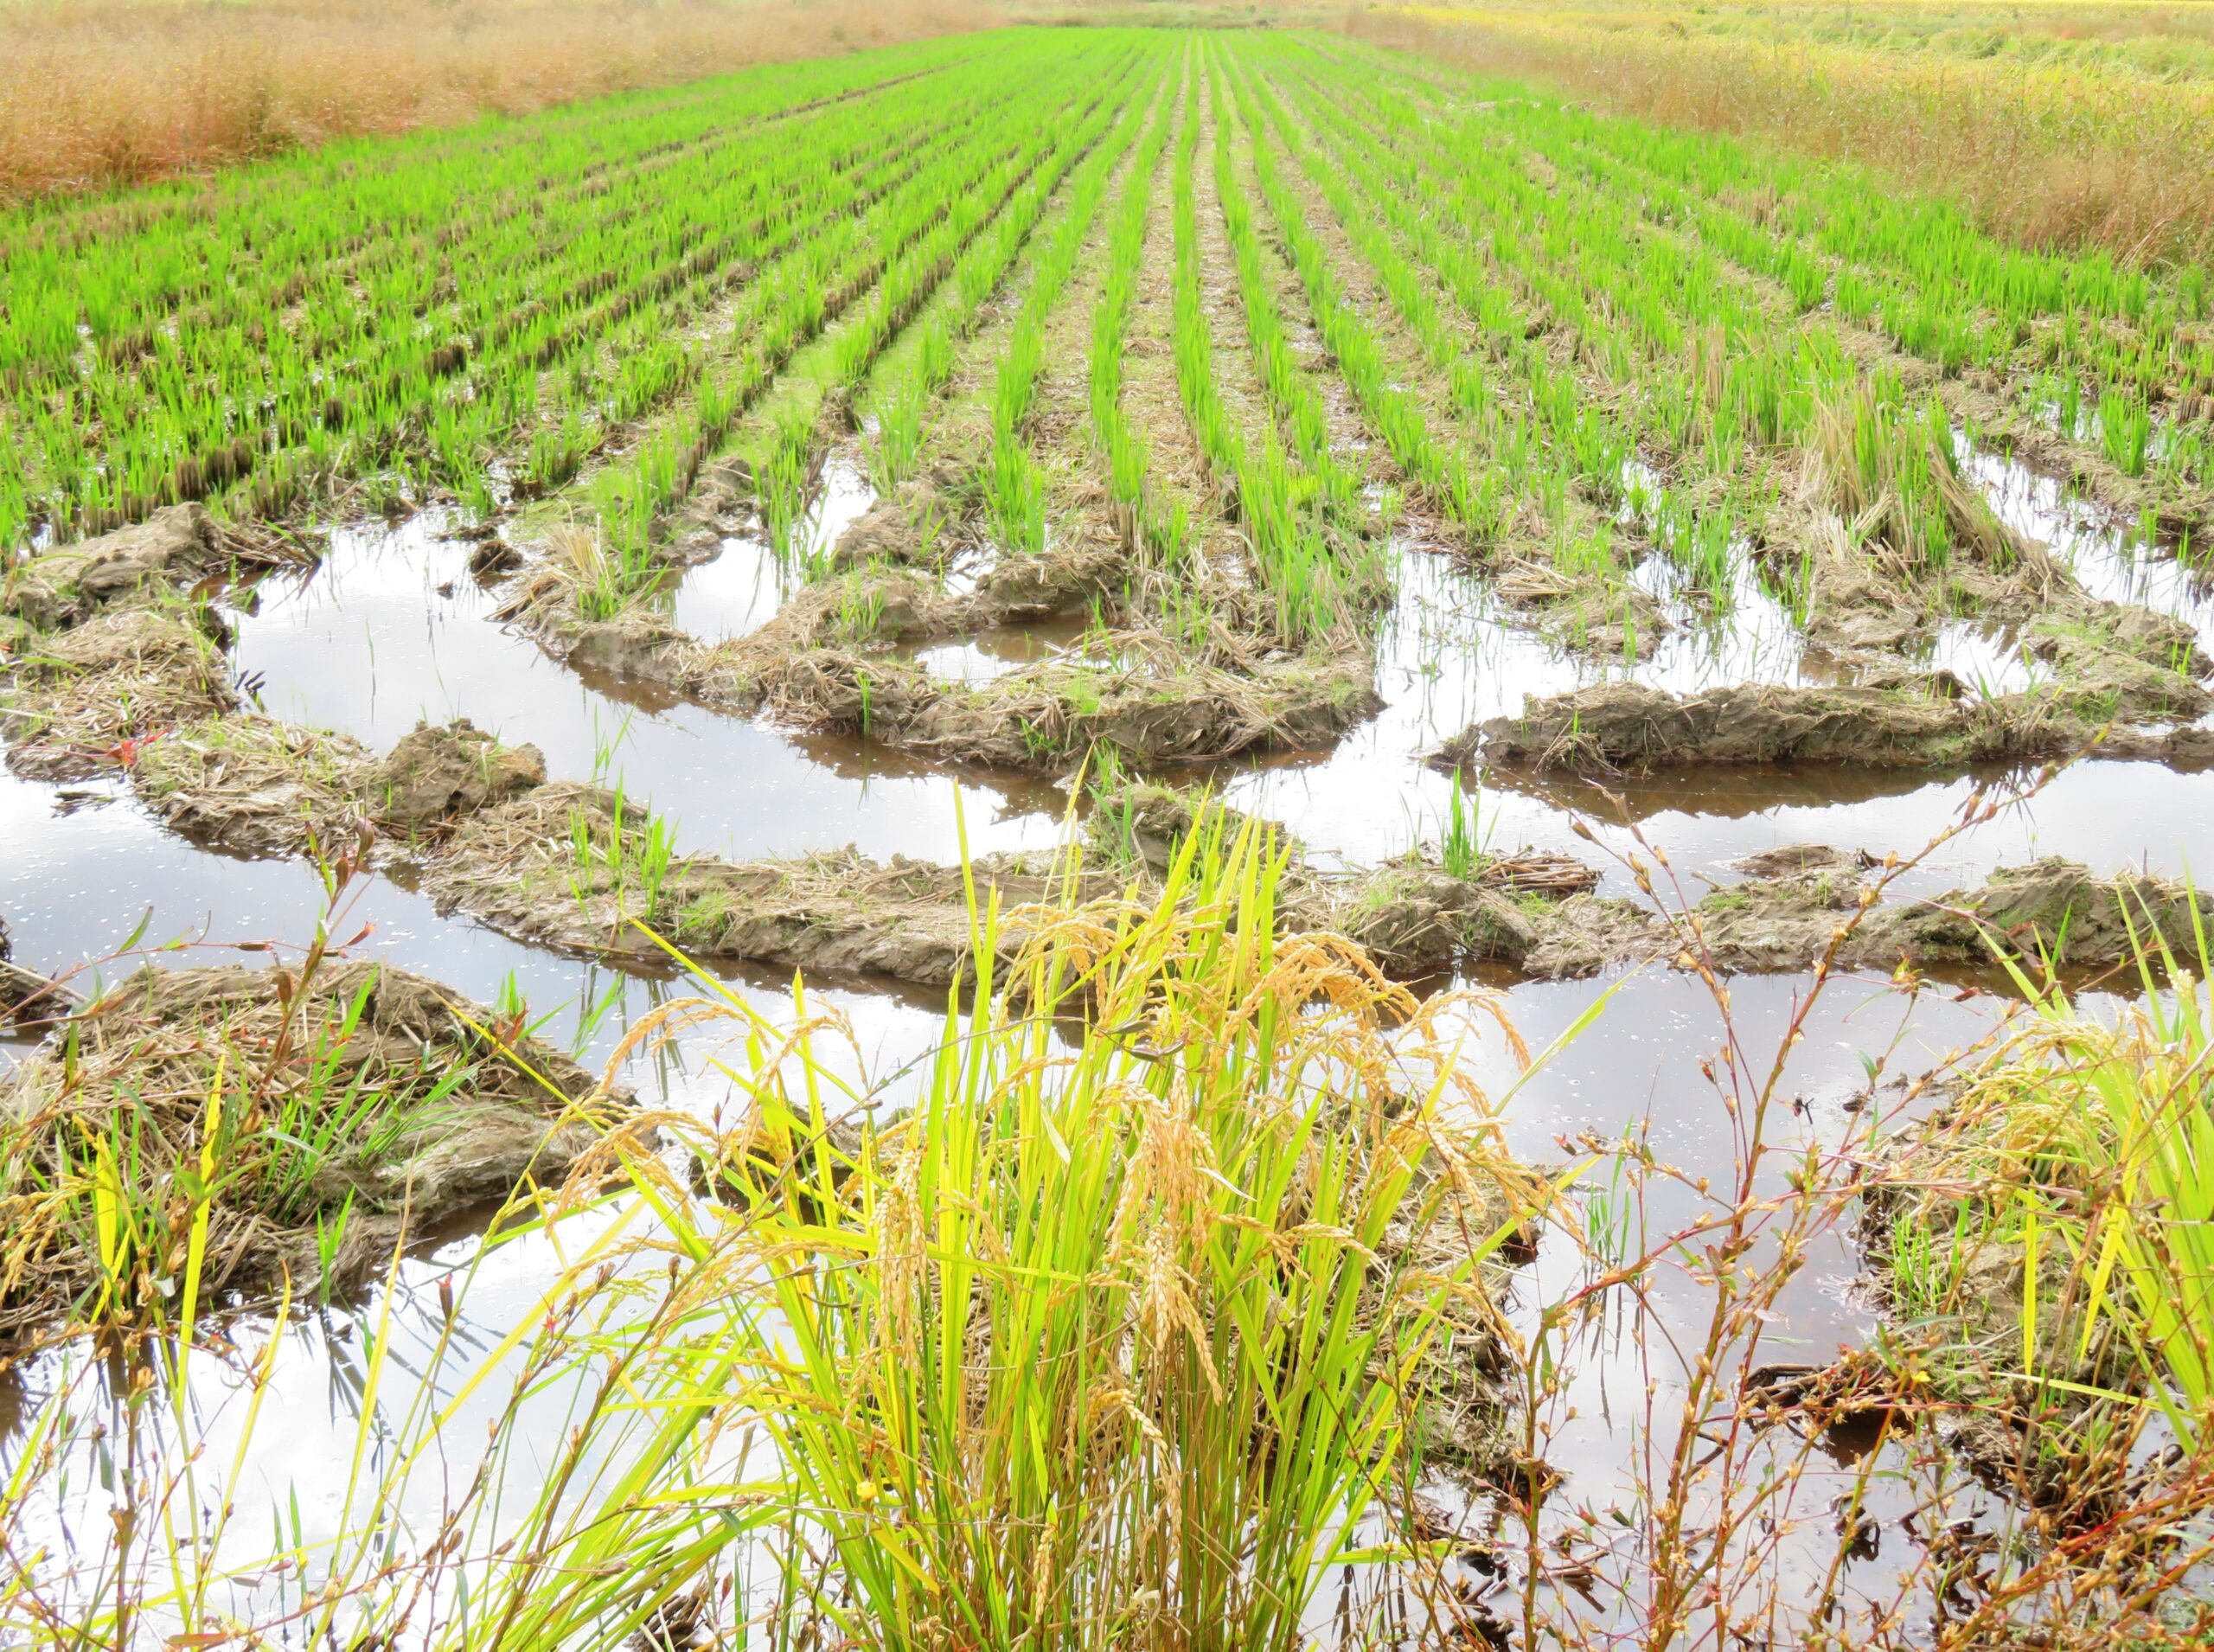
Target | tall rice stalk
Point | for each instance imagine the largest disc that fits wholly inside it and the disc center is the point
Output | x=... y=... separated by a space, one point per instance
x=2105 y=1127
x=1115 y=1344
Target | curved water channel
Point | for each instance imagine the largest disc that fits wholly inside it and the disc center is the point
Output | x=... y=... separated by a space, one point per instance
x=393 y=627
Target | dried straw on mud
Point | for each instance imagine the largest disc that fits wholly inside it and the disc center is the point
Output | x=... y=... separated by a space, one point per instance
x=1625 y=725
x=825 y=663
x=416 y=1102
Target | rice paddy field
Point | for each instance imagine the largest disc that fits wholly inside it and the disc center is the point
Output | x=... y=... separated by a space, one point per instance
x=1103 y=838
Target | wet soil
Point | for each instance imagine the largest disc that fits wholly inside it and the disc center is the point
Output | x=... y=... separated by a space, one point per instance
x=434 y=1103
x=532 y=785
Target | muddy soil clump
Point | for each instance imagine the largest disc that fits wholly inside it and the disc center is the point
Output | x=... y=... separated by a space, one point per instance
x=1793 y=909
x=252 y=785
x=575 y=866
x=171 y=550
x=348 y=1105
x=829 y=661
x=28 y=999
x=1626 y=726
x=440 y=773
x=79 y=700
x=101 y=650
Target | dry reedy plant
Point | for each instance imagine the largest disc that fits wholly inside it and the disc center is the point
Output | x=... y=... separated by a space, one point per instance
x=113 y=93
x=2060 y=156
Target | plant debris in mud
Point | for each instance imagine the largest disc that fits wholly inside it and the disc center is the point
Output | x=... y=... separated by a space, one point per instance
x=200 y=1131
x=1626 y=725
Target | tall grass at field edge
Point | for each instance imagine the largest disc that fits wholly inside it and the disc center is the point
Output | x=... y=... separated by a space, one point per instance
x=2049 y=158
x=114 y=93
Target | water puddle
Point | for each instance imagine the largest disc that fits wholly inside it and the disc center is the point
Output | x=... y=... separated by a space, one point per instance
x=2113 y=560
x=740 y=589
x=1000 y=650
x=392 y=628
x=1447 y=659
x=732 y=594
x=1638 y=1074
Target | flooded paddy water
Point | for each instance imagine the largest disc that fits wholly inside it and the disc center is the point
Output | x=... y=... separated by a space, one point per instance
x=797 y=752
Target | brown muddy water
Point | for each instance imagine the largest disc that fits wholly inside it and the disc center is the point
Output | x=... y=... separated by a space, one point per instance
x=393 y=628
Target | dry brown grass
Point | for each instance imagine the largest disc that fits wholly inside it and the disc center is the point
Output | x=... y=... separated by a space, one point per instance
x=2061 y=153
x=114 y=91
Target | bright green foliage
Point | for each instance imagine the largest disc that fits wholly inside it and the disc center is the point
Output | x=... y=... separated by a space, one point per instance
x=1094 y=1342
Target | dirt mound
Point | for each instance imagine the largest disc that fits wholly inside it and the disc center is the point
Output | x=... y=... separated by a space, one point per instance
x=2056 y=908
x=1151 y=703
x=440 y=771
x=88 y=698
x=901 y=528
x=1144 y=823
x=331 y=1107
x=251 y=785
x=519 y=867
x=28 y=999
x=64 y=587
x=1790 y=913
x=1531 y=911
x=1625 y=725
x=1594 y=614
x=1057 y=580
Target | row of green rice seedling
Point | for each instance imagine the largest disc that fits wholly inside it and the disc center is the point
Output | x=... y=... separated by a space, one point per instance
x=647 y=359
x=1015 y=485
x=918 y=370
x=79 y=281
x=916 y=247
x=1395 y=415
x=1534 y=436
x=786 y=308
x=1916 y=270
x=1086 y=153
x=523 y=321
x=917 y=367
x=1447 y=234
x=1275 y=503
x=1121 y=446
x=502 y=308
x=1291 y=390
x=401 y=273
x=1717 y=388
x=783 y=460
x=2116 y=368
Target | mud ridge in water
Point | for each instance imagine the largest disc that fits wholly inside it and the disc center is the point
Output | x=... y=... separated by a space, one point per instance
x=1626 y=726
x=583 y=867
x=828 y=662
x=412 y=1102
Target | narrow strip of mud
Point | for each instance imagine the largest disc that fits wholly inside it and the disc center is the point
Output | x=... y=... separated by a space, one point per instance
x=1923 y=723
